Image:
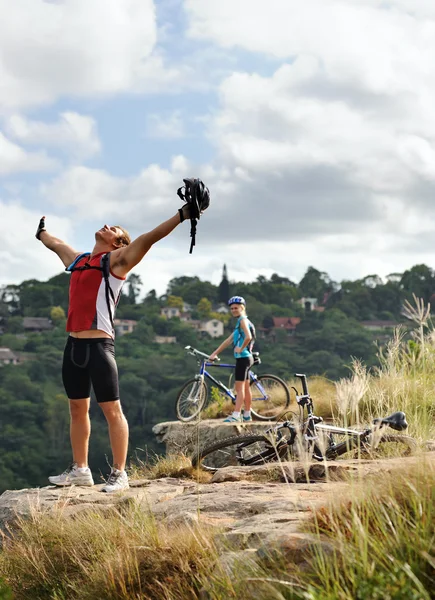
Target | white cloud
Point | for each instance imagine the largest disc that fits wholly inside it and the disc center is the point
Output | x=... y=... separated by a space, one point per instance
x=75 y=133
x=165 y=126
x=77 y=47
x=15 y=159
x=345 y=124
x=21 y=255
x=93 y=193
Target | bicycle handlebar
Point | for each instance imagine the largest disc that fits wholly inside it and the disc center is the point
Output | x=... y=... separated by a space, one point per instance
x=195 y=352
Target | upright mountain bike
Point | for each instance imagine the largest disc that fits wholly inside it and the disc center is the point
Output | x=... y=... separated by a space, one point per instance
x=307 y=437
x=270 y=394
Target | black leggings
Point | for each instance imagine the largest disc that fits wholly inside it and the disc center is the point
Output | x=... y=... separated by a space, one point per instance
x=242 y=368
x=90 y=360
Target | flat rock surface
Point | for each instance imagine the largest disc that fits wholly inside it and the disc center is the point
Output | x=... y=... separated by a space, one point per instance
x=185 y=437
x=248 y=510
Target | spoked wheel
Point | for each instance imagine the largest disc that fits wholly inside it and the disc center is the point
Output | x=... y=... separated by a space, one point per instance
x=238 y=450
x=191 y=399
x=381 y=446
x=270 y=397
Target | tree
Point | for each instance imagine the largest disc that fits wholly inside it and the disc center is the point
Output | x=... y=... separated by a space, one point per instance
x=151 y=299
x=134 y=283
x=192 y=289
x=175 y=302
x=15 y=325
x=204 y=308
x=224 y=287
x=57 y=314
x=315 y=284
x=419 y=280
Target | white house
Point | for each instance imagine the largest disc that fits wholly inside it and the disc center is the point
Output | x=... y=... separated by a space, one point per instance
x=7 y=357
x=213 y=327
x=165 y=339
x=169 y=312
x=308 y=303
x=123 y=326
x=222 y=309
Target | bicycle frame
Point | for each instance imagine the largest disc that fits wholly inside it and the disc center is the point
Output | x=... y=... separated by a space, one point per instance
x=204 y=373
x=312 y=425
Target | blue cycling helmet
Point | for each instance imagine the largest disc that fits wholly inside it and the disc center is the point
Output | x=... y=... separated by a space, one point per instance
x=236 y=300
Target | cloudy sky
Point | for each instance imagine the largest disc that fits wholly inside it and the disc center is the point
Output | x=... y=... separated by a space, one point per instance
x=312 y=122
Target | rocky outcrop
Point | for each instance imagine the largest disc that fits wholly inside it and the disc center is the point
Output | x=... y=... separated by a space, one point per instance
x=186 y=437
x=250 y=510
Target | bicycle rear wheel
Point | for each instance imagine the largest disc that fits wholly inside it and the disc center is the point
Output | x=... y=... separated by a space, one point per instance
x=270 y=397
x=191 y=399
x=239 y=450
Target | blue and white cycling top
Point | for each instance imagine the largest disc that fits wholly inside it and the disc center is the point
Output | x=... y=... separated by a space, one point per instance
x=239 y=338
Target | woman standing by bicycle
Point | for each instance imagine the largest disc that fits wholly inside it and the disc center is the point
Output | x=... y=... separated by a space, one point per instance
x=243 y=340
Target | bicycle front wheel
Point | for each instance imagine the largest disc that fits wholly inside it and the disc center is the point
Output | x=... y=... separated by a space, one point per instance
x=191 y=399
x=239 y=450
x=270 y=397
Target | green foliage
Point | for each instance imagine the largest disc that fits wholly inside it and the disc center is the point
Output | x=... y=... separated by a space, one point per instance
x=315 y=284
x=15 y=325
x=5 y=591
x=204 y=308
x=175 y=302
x=57 y=314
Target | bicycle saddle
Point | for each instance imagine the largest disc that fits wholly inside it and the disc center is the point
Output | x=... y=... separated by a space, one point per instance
x=396 y=421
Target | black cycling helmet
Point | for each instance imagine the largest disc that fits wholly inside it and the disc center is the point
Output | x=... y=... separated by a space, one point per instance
x=197 y=195
x=236 y=300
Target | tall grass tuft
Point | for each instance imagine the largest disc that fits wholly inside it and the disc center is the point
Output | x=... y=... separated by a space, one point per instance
x=110 y=556
x=404 y=380
x=383 y=540
x=172 y=465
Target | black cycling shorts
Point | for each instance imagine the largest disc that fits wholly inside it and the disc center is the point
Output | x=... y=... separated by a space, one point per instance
x=242 y=368
x=90 y=360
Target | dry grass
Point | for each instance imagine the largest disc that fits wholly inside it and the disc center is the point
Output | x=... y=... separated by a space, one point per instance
x=323 y=392
x=177 y=465
x=404 y=381
x=110 y=556
x=383 y=541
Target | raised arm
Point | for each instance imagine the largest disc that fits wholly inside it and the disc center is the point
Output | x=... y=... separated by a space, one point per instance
x=65 y=252
x=124 y=259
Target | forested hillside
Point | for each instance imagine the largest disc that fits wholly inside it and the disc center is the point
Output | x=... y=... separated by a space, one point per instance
x=33 y=407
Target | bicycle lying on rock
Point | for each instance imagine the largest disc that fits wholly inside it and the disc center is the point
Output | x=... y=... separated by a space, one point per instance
x=307 y=437
x=270 y=394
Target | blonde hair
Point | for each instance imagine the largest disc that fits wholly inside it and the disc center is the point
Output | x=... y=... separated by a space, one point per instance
x=124 y=239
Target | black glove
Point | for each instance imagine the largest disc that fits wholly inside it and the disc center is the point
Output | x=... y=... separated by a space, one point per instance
x=41 y=228
x=197 y=197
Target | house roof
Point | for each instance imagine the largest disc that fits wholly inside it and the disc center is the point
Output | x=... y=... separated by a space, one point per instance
x=7 y=354
x=379 y=324
x=286 y=322
x=37 y=323
x=125 y=322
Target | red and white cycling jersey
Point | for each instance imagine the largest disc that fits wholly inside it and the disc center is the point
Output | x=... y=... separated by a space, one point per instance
x=88 y=305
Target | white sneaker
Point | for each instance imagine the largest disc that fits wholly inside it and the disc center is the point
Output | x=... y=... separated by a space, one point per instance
x=116 y=481
x=73 y=476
